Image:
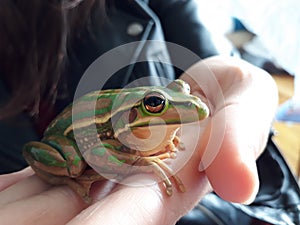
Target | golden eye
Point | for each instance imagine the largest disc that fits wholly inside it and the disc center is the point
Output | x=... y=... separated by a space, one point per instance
x=154 y=102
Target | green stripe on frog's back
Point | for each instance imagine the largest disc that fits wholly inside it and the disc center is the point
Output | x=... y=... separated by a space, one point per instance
x=108 y=103
x=82 y=110
x=60 y=123
x=85 y=107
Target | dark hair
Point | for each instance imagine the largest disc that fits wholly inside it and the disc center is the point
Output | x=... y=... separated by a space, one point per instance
x=35 y=37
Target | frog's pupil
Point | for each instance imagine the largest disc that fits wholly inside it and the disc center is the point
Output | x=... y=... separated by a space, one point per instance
x=154 y=103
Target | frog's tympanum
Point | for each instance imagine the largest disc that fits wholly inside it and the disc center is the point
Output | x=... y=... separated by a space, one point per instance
x=111 y=130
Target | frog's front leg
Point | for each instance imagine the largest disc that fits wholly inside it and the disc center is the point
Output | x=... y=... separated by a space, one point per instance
x=57 y=161
x=116 y=162
x=163 y=171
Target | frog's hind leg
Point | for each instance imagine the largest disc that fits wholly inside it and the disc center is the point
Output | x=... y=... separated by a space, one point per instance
x=80 y=185
x=46 y=158
x=57 y=161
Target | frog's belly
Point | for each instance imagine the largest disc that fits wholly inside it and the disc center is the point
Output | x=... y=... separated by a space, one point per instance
x=149 y=140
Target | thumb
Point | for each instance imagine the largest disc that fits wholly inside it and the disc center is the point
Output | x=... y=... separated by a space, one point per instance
x=246 y=118
x=232 y=171
x=239 y=125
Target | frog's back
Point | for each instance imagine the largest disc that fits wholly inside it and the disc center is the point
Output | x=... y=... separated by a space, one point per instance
x=98 y=104
x=60 y=123
x=82 y=108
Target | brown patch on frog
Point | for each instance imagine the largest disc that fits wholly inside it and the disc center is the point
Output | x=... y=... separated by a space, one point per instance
x=144 y=133
x=132 y=115
x=84 y=106
x=103 y=103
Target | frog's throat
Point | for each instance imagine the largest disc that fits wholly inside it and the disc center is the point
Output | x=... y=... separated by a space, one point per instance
x=150 y=140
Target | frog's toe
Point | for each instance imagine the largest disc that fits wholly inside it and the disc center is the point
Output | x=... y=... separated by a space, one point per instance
x=179 y=183
x=171 y=148
x=178 y=144
x=169 y=191
x=181 y=146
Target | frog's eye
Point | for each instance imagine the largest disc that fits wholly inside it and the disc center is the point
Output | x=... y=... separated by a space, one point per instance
x=154 y=102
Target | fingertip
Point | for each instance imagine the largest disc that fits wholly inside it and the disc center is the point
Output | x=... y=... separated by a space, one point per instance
x=234 y=180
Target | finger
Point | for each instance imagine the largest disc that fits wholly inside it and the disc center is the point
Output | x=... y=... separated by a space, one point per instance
x=124 y=206
x=142 y=205
x=250 y=107
x=22 y=189
x=232 y=172
x=241 y=118
x=142 y=201
x=54 y=206
x=7 y=180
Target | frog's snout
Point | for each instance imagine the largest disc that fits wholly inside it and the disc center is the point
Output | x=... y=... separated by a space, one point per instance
x=203 y=110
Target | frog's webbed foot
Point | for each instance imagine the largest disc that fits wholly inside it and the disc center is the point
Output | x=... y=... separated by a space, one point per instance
x=172 y=148
x=82 y=185
x=164 y=172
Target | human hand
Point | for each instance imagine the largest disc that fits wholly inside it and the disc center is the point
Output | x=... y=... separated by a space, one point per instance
x=232 y=173
x=243 y=100
x=28 y=200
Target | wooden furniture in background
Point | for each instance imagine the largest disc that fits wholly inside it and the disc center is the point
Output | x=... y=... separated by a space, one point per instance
x=287 y=134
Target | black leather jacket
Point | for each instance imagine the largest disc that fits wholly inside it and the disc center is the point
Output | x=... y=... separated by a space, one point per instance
x=175 y=21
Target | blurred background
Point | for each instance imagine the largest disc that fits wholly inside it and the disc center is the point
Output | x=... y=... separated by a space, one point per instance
x=267 y=34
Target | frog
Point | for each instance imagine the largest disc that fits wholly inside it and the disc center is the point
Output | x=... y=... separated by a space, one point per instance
x=113 y=130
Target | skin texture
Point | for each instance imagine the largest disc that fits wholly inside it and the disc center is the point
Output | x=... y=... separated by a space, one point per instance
x=246 y=107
